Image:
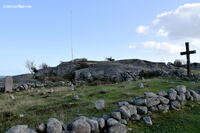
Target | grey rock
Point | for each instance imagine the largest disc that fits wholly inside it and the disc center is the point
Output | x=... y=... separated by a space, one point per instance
x=101 y=122
x=123 y=122
x=100 y=104
x=111 y=122
x=181 y=89
x=8 y=84
x=148 y=120
x=162 y=93
x=135 y=117
x=140 y=101
x=124 y=103
x=181 y=97
x=133 y=109
x=172 y=94
x=163 y=100
x=163 y=107
x=195 y=95
x=20 y=129
x=94 y=125
x=142 y=110
x=188 y=95
x=152 y=102
x=125 y=112
x=54 y=126
x=175 y=105
x=116 y=115
x=153 y=109
x=41 y=128
x=118 y=128
x=150 y=95
x=81 y=126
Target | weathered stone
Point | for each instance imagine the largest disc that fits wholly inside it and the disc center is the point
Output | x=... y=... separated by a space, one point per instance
x=20 y=129
x=181 y=89
x=116 y=115
x=94 y=125
x=195 y=95
x=123 y=122
x=124 y=103
x=152 y=102
x=175 y=105
x=150 y=95
x=100 y=104
x=41 y=128
x=111 y=122
x=125 y=112
x=153 y=109
x=101 y=122
x=181 y=97
x=142 y=110
x=12 y=97
x=163 y=100
x=54 y=126
x=133 y=109
x=140 y=101
x=163 y=107
x=8 y=84
x=81 y=126
x=188 y=95
x=162 y=93
x=148 y=120
x=172 y=94
x=118 y=128
x=135 y=117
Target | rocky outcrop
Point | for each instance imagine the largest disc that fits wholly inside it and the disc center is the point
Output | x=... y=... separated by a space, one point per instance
x=137 y=109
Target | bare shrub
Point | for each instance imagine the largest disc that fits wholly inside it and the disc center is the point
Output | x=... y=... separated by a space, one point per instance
x=31 y=66
x=179 y=63
x=43 y=66
x=110 y=59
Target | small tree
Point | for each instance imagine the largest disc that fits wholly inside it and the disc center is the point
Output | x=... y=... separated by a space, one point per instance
x=110 y=59
x=31 y=66
x=179 y=63
x=43 y=66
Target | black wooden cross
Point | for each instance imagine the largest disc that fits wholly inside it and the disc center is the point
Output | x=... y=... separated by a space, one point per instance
x=187 y=53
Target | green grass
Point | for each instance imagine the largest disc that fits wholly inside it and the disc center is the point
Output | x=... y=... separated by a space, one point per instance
x=38 y=108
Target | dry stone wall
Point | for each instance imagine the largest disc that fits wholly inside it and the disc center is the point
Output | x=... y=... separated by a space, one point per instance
x=116 y=122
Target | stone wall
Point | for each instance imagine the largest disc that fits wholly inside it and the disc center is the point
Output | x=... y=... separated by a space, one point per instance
x=135 y=110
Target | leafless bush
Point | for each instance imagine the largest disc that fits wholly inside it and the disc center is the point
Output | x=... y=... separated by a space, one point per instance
x=110 y=59
x=43 y=66
x=31 y=66
x=179 y=63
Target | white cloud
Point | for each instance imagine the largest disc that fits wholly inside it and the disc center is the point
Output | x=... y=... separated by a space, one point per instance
x=142 y=29
x=181 y=23
x=132 y=46
x=164 y=47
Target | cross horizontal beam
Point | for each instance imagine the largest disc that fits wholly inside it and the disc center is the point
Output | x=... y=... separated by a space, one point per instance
x=189 y=52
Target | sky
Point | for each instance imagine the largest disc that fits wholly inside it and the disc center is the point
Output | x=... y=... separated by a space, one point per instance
x=44 y=30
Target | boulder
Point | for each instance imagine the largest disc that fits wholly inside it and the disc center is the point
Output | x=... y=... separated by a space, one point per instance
x=94 y=125
x=172 y=94
x=162 y=93
x=41 y=128
x=118 y=128
x=135 y=117
x=116 y=115
x=101 y=122
x=152 y=102
x=163 y=100
x=123 y=103
x=195 y=95
x=142 y=110
x=181 y=89
x=54 y=126
x=148 y=120
x=111 y=122
x=150 y=95
x=81 y=126
x=100 y=104
x=139 y=101
x=125 y=112
x=188 y=95
x=133 y=109
x=153 y=109
x=20 y=129
x=175 y=105
x=163 y=107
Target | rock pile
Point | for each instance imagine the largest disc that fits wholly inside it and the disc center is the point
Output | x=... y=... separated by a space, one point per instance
x=137 y=109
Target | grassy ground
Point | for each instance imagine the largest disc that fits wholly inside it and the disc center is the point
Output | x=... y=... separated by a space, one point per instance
x=37 y=107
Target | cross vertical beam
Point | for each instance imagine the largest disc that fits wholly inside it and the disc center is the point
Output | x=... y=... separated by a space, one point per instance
x=187 y=53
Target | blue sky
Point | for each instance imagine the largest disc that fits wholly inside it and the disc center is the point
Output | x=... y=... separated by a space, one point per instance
x=101 y=28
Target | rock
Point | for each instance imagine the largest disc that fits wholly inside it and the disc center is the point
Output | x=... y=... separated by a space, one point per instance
x=41 y=128
x=124 y=103
x=123 y=122
x=94 y=125
x=20 y=129
x=141 y=85
x=26 y=87
x=195 y=95
x=111 y=122
x=188 y=95
x=162 y=93
x=148 y=120
x=142 y=110
x=101 y=122
x=163 y=107
x=100 y=104
x=12 y=97
x=54 y=126
x=81 y=126
x=172 y=94
x=139 y=101
x=50 y=91
x=163 y=100
x=150 y=95
x=118 y=128
x=153 y=109
x=75 y=97
x=116 y=115
x=152 y=102
x=181 y=97
x=135 y=117
x=125 y=112
x=175 y=105
x=133 y=109
x=8 y=84
x=181 y=89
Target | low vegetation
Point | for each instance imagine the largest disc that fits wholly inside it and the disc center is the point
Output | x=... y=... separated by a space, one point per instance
x=35 y=106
